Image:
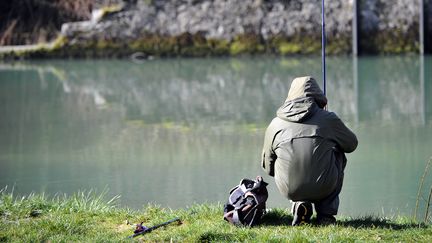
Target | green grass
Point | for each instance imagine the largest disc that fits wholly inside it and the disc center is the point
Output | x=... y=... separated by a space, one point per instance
x=88 y=217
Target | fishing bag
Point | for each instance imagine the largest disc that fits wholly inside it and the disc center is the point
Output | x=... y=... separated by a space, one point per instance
x=247 y=202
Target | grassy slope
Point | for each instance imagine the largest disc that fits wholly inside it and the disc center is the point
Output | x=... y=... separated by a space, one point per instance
x=88 y=217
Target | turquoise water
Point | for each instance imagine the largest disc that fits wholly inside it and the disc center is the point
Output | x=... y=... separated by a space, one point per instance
x=179 y=131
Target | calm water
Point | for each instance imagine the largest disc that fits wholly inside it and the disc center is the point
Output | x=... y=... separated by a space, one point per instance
x=179 y=131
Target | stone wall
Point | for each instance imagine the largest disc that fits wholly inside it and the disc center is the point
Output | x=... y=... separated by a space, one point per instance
x=389 y=26
x=428 y=27
x=231 y=27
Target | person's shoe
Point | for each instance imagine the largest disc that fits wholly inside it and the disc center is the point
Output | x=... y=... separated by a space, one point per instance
x=302 y=213
x=326 y=220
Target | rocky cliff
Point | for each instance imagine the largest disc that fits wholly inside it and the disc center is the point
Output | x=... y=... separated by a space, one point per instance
x=200 y=27
x=231 y=27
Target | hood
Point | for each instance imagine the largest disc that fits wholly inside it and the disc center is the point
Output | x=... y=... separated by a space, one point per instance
x=304 y=97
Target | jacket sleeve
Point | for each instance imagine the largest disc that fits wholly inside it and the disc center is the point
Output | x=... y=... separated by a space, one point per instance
x=343 y=136
x=268 y=156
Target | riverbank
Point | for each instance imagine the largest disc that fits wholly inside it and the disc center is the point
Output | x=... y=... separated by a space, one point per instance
x=185 y=45
x=88 y=217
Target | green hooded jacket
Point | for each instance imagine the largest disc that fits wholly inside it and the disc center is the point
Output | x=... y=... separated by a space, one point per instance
x=301 y=143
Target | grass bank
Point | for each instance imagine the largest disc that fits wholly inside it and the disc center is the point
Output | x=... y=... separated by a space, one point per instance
x=87 y=217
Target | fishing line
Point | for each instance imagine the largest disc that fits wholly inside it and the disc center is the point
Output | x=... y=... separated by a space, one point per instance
x=323 y=46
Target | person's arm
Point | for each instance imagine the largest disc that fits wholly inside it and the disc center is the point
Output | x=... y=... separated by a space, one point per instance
x=344 y=137
x=268 y=156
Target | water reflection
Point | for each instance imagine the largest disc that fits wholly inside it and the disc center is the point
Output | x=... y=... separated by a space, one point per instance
x=179 y=131
x=391 y=88
x=189 y=91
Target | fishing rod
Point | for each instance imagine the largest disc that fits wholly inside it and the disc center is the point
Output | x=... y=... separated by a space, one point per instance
x=141 y=229
x=323 y=46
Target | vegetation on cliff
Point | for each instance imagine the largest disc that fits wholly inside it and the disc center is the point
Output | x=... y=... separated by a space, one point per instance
x=33 y=21
x=186 y=45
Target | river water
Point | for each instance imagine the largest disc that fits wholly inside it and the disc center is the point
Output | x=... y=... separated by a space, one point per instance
x=174 y=132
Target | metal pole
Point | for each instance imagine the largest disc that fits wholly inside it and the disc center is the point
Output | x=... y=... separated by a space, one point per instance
x=421 y=27
x=356 y=89
x=323 y=43
x=423 y=89
x=355 y=30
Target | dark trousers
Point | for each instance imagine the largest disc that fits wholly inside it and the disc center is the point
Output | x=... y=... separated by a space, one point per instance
x=330 y=204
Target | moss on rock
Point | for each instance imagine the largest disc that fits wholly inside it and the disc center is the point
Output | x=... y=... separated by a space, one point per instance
x=390 y=42
x=197 y=45
x=247 y=44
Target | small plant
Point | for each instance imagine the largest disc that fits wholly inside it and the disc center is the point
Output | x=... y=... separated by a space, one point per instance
x=420 y=196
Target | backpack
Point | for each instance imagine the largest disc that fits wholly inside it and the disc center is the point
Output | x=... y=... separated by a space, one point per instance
x=247 y=202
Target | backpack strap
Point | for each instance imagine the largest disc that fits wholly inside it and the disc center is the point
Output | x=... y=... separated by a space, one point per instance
x=254 y=214
x=233 y=217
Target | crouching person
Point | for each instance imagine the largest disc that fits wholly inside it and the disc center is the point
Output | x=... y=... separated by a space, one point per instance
x=304 y=149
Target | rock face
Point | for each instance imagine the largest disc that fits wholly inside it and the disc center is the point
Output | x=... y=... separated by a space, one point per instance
x=389 y=25
x=382 y=24
x=223 y=19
